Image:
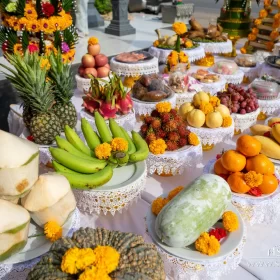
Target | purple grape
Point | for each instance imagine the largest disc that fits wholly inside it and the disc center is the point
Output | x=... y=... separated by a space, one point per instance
x=243 y=104
x=242 y=111
x=234 y=109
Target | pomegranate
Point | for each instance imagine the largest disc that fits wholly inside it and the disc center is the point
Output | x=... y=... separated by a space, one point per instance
x=88 y=61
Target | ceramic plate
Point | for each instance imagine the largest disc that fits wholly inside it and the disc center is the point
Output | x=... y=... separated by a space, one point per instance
x=36 y=246
x=148 y=57
x=228 y=244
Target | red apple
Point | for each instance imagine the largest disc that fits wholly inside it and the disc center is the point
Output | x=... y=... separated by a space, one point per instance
x=102 y=72
x=101 y=60
x=107 y=66
x=90 y=71
x=88 y=61
x=94 y=49
x=81 y=70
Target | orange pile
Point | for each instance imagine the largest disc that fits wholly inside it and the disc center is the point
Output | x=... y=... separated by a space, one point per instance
x=245 y=168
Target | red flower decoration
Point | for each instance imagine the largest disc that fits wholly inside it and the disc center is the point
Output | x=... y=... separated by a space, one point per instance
x=30 y=138
x=255 y=191
x=33 y=48
x=219 y=233
x=48 y=9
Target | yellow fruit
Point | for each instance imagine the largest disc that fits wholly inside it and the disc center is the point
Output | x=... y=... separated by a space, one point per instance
x=223 y=110
x=273 y=120
x=199 y=97
x=276 y=132
x=196 y=118
x=184 y=109
x=259 y=129
x=270 y=147
x=214 y=120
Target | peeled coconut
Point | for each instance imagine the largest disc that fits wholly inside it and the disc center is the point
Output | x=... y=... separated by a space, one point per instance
x=19 y=166
x=14 y=228
x=51 y=199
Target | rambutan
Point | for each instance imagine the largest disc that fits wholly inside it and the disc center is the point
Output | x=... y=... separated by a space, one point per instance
x=183 y=132
x=178 y=119
x=155 y=114
x=183 y=142
x=171 y=145
x=156 y=124
x=170 y=126
x=150 y=137
x=173 y=136
x=144 y=129
x=165 y=117
x=173 y=112
x=148 y=119
x=160 y=134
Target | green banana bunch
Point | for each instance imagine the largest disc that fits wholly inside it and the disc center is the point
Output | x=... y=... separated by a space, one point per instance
x=102 y=128
x=131 y=146
x=118 y=159
x=142 y=149
x=91 y=136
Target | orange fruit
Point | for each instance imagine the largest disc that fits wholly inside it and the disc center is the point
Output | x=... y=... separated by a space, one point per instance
x=269 y=184
x=233 y=161
x=237 y=183
x=219 y=169
x=248 y=146
x=260 y=164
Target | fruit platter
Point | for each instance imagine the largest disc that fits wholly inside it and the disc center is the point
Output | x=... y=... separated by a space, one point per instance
x=208 y=119
x=252 y=178
x=147 y=91
x=172 y=147
x=242 y=104
x=93 y=63
x=213 y=244
x=111 y=100
x=109 y=172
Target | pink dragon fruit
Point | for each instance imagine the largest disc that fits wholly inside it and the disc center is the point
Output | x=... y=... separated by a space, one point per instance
x=124 y=104
x=90 y=103
x=108 y=109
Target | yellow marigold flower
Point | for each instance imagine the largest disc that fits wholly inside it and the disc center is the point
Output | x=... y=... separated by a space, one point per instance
x=163 y=107
x=179 y=28
x=183 y=57
x=18 y=49
x=69 y=259
x=243 y=50
x=119 y=144
x=46 y=26
x=174 y=192
x=274 y=34
x=263 y=13
x=188 y=44
x=269 y=46
x=62 y=13
x=52 y=231
x=94 y=273
x=103 y=151
x=173 y=61
x=93 y=41
x=193 y=139
x=107 y=258
x=252 y=37
x=174 y=54
x=255 y=31
x=158 y=204
x=214 y=101
x=45 y=64
x=206 y=107
x=129 y=82
x=32 y=26
x=157 y=147
x=258 y=21
x=253 y=179
x=227 y=121
x=155 y=43
x=30 y=12
x=86 y=257
x=71 y=54
x=276 y=23
x=230 y=221
x=207 y=244
x=13 y=22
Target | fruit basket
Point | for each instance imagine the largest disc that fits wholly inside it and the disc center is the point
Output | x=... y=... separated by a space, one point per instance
x=185 y=261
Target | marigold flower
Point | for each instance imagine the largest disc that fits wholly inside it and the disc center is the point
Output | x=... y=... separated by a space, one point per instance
x=269 y=46
x=86 y=257
x=258 y=21
x=183 y=57
x=52 y=231
x=193 y=139
x=276 y=23
x=253 y=179
x=227 y=121
x=30 y=12
x=267 y=2
x=214 y=101
x=230 y=221
x=33 y=26
x=252 y=37
x=255 y=31
x=45 y=64
x=206 y=107
x=243 y=50
x=158 y=204
x=157 y=147
x=94 y=273
x=277 y=16
x=172 y=61
x=103 y=151
x=69 y=259
x=93 y=41
x=119 y=144
x=188 y=44
x=263 y=13
x=274 y=34
x=179 y=28
x=18 y=49
x=155 y=43
x=208 y=245
x=163 y=107
x=174 y=192
x=128 y=82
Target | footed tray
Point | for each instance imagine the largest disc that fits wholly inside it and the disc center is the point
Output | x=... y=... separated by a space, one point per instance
x=243 y=122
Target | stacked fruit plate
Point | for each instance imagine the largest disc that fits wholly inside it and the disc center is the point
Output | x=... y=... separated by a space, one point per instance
x=242 y=104
x=111 y=100
x=172 y=147
x=209 y=119
x=30 y=205
x=252 y=178
x=109 y=172
x=199 y=245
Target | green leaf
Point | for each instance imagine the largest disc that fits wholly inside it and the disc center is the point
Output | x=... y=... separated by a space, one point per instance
x=20 y=7
x=67 y=5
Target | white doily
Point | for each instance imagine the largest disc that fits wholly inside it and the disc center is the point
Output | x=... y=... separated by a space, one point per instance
x=84 y=84
x=181 y=269
x=135 y=69
x=213 y=88
x=212 y=136
x=174 y=162
x=20 y=271
x=162 y=54
x=243 y=122
x=126 y=121
x=237 y=78
x=146 y=108
x=217 y=47
x=110 y=200
x=270 y=107
x=45 y=156
x=184 y=97
x=261 y=210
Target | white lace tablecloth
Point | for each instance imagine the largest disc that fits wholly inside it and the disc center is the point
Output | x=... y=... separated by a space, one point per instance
x=265 y=69
x=213 y=88
x=243 y=122
x=237 y=78
x=162 y=54
x=84 y=84
x=212 y=136
x=20 y=271
x=174 y=162
x=217 y=47
x=144 y=108
x=270 y=107
x=134 y=69
x=184 y=97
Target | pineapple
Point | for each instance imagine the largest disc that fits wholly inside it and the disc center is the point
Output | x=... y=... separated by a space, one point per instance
x=62 y=79
x=29 y=79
